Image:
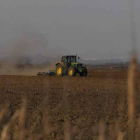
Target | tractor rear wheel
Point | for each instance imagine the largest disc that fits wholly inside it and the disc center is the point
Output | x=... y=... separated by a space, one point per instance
x=85 y=72
x=72 y=71
x=59 y=70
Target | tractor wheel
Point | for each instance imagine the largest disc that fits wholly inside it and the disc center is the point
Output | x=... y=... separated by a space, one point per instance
x=59 y=70
x=84 y=73
x=81 y=74
x=72 y=71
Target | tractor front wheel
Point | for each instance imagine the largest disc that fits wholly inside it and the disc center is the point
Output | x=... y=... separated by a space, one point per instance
x=84 y=73
x=72 y=71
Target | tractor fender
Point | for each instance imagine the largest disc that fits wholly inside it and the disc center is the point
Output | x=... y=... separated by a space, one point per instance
x=57 y=64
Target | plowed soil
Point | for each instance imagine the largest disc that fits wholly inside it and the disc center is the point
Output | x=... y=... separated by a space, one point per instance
x=84 y=101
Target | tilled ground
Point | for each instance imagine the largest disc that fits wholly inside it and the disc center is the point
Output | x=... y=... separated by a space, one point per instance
x=84 y=101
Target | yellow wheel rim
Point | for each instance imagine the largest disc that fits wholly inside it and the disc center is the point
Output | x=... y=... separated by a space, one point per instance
x=59 y=70
x=70 y=72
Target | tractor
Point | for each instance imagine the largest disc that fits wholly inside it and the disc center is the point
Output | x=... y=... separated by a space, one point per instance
x=69 y=66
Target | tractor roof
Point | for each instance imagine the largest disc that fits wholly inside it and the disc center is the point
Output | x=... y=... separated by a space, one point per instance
x=69 y=56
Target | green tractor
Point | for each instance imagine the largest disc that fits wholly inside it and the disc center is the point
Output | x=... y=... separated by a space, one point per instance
x=69 y=66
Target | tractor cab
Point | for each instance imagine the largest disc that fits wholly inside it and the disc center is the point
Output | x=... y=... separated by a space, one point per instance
x=68 y=59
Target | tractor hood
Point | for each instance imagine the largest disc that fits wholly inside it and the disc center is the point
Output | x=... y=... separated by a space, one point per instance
x=76 y=64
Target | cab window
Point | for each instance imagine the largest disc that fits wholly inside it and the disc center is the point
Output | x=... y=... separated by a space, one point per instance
x=73 y=59
x=69 y=60
x=64 y=59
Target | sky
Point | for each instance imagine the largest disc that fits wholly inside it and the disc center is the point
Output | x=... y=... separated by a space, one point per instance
x=89 y=28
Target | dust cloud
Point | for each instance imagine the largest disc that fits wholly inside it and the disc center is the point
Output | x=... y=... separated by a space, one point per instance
x=27 y=55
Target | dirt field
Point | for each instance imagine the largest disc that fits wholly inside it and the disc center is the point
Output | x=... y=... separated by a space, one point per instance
x=84 y=101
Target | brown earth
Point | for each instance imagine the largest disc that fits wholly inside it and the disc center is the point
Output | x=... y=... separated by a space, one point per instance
x=84 y=101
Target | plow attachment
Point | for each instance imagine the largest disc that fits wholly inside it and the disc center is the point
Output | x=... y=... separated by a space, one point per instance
x=49 y=73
